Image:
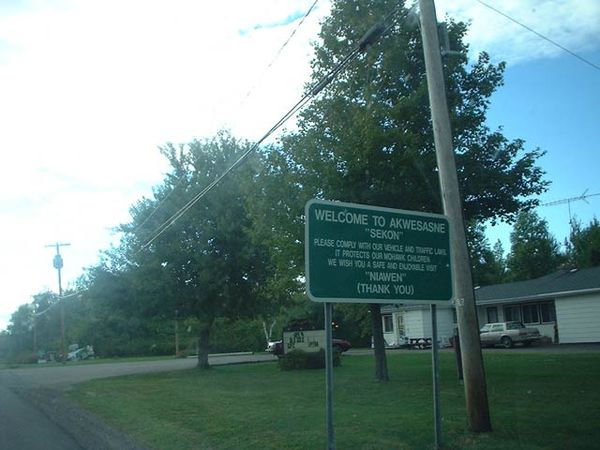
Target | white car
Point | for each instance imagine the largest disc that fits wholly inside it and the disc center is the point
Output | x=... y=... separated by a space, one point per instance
x=507 y=333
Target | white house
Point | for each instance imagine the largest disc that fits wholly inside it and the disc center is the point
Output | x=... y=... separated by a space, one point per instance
x=564 y=306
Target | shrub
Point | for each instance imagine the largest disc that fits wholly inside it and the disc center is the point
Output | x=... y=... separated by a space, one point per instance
x=299 y=360
x=236 y=336
x=25 y=358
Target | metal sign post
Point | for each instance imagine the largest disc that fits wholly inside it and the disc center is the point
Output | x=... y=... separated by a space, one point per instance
x=436 y=379
x=329 y=376
x=368 y=254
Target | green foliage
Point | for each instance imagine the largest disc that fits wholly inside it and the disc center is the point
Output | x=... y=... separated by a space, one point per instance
x=257 y=406
x=242 y=335
x=301 y=360
x=488 y=265
x=534 y=251
x=368 y=137
x=353 y=323
x=205 y=265
x=20 y=330
x=5 y=345
x=585 y=245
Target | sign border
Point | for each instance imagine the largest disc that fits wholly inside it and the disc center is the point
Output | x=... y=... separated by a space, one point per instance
x=404 y=301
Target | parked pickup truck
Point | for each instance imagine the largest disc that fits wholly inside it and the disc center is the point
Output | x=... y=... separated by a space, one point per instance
x=507 y=333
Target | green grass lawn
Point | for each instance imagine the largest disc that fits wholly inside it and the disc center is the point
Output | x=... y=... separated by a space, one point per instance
x=538 y=401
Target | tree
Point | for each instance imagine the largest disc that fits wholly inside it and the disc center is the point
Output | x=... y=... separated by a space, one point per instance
x=20 y=329
x=204 y=264
x=585 y=244
x=368 y=138
x=487 y=264
x=534 y=252
x=45 y=321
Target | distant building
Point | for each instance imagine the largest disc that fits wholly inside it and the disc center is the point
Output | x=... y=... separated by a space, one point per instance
x=564 y=306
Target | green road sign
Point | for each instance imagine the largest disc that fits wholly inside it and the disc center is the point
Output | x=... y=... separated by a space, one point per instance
x=367 y=254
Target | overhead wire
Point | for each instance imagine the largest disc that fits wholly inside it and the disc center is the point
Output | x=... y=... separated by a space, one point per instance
x=367 y=39
x=306 y=97
x=60 y=298
x=546 y=38
x=286 y=42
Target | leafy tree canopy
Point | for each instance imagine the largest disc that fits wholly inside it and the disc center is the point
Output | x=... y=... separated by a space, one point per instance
x=488 y=265
x=205 y=263
x=534 y=251
x=585 y=244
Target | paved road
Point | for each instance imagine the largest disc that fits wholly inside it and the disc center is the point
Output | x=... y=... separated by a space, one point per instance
x=65 y=376
x=25 y=427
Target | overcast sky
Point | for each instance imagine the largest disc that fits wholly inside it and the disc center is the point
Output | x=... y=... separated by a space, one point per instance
x=90 y=89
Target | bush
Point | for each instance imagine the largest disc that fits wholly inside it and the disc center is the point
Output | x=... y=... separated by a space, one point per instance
x=299 y=360
x=25 y=358
x=242 y=335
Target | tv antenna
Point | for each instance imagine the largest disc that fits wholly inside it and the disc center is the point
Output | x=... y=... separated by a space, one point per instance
x=570 y=200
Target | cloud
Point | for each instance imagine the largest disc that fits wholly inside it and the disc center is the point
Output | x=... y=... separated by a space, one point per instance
x=286 y=21
x=571 y=23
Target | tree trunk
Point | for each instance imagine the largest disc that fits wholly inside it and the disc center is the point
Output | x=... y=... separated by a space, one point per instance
x=203 y=346
x=381 y=370
x=270 y=332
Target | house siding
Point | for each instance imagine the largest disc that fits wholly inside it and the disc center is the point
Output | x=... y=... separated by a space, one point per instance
x=446 y=325
x=414 y=323
x=578 y=319
x=417 y=323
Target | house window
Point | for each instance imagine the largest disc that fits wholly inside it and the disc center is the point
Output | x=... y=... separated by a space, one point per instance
x=512 y=313
x=388 y=324
x=547 y=312
x=531 y=313
x=492 y=314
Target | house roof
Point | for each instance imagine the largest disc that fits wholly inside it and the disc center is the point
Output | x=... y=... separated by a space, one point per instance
x=563 y=283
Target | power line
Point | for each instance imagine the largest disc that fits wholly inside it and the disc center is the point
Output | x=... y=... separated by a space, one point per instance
x=60 y=298
x=161 y=202
x=169 y=222
x=366 y=40
x=581 y=58
x=279 y=51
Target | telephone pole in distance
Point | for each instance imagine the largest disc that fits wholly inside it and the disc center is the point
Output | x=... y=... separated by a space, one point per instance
x=58 y=265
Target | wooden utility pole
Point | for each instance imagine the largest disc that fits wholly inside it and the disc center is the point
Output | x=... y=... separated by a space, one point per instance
x=58 y=265
x=474 y=375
